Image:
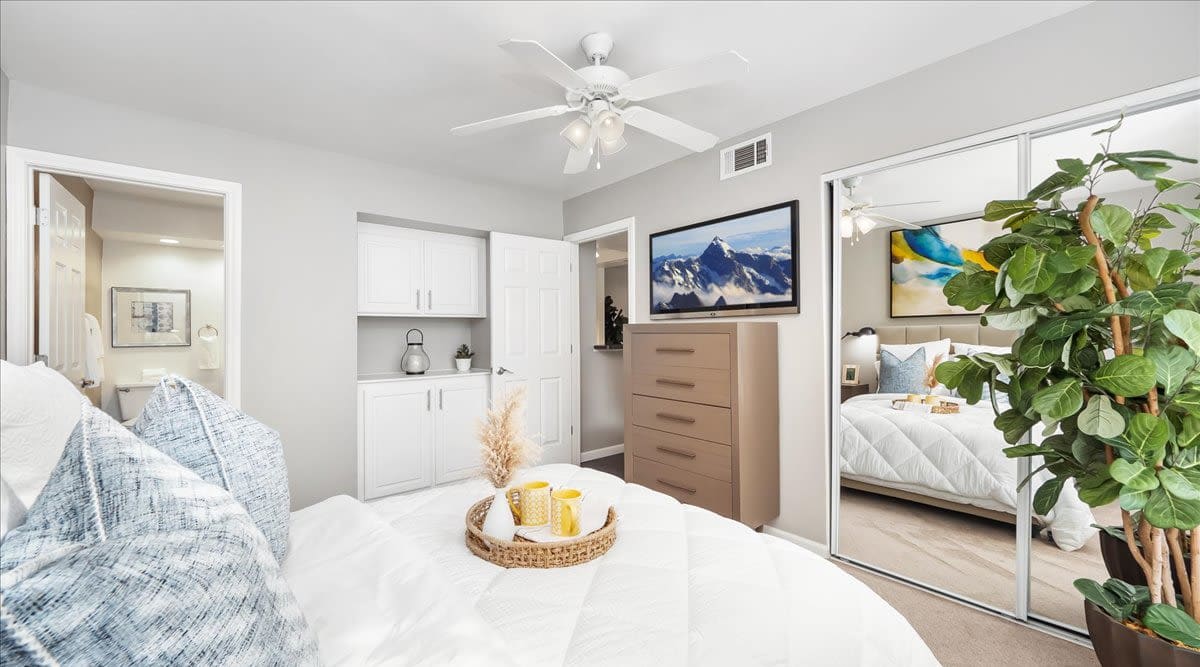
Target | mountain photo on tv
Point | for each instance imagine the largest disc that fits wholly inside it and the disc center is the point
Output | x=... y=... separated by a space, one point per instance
x=740 y=264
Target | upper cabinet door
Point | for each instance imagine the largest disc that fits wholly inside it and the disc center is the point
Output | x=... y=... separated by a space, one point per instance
x=389 y=274
x=454 y=276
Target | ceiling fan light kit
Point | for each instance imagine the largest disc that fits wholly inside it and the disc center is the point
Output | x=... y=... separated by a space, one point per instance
x=855 y=222
x=601 y=94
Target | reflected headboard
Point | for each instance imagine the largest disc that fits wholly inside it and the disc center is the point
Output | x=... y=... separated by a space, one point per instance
x=974 y=334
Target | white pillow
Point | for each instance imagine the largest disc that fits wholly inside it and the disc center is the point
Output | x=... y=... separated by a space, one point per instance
x=38 y=410
x=932 y=349
x=967 y=349
x=12 y=510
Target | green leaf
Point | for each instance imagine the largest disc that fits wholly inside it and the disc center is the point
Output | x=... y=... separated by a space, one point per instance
x=1186 y=459
x=1146 y=171
x=1029 y=272
x=1057 y=183
x=1154 y=154
x=1071 y=284
x=1018 y=451
x=1133 y=475
x=998 y=250
x=1047 y=495
x=1191 y=214
x=1160 y=262
x=1100 y=419
x=1013 y=425
x=1188 y=434
x=1112 y=222
x=1172 y=623
x=1189 y=400
x=1097 y=488
x=1003 y=208
x=1039 y=352
x=1125 y=375
x=1060 y=400
x=970 y=290
x=1073 y=166
x=1108 y=130
x=1101 y=597
x=1010 y=320
x=1165 y=510
x=1178 y=485
x=1146 y=436
x=1063 y=326
x=1140 y=304
x=1172 y=365
x=1072 y=258
x=1185 y=324
x=1133 y=501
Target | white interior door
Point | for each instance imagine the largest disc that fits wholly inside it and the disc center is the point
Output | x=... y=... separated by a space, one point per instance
x=61 y=258
x=530 y=280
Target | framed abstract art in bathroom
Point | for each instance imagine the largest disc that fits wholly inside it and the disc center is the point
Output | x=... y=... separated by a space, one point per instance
x=149 y=317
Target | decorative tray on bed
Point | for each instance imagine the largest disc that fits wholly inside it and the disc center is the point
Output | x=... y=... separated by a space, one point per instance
x=525 y=553
x=939 y=408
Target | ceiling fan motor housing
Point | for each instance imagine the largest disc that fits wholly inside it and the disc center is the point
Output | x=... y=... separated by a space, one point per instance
x=596 y=46
x=603 y=82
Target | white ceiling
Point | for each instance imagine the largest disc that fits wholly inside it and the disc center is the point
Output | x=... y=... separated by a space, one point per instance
x=168 y=195
x=388 y=80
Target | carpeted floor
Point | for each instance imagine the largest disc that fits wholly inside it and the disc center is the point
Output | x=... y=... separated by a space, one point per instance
x=965 y=554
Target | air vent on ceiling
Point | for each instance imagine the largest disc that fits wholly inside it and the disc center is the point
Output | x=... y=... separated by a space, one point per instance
x=746 y=156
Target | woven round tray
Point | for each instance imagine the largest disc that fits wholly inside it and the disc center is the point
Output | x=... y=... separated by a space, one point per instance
x=524 y=553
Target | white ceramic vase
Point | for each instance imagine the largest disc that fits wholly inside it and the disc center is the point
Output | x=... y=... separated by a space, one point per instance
x=463 y=365
x=499 y=523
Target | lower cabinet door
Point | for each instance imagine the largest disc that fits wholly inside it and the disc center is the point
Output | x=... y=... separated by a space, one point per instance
x=459 y=405
x=396 y=433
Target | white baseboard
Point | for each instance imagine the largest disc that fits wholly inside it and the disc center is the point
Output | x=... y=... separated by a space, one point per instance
x=813 y=546
x=593 y=454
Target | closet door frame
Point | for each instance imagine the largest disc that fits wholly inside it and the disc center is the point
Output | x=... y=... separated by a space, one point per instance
x=831 y=192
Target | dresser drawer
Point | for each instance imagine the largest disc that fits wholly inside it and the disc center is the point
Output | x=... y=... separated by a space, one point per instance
x=699 y=456
x=696 y=385
x=686 y=487
x=697 y=421
x=695 y=350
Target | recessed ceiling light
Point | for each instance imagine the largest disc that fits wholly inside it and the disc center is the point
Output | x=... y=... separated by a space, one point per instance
x=169 y=241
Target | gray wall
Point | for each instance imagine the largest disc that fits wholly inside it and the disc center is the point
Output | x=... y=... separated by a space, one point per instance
x=299 y=285
x=3 y=214
x=381 y=341
x=601 y=408
x=1007 y=81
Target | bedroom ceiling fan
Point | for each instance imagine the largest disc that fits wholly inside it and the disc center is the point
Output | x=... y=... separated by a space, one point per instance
x=601 y=95
x=860 y=218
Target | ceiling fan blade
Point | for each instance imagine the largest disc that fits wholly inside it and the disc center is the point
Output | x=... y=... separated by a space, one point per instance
x=511 y=119
x=668 y=128
x=577 y=161
x=908 y=203
x=894 y=221
x=539 y=59
x=712 y=70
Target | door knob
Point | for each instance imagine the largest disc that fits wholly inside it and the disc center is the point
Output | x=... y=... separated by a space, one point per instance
x=502 y=370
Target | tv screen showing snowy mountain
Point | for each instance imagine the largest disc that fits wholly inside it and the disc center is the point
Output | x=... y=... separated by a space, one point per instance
x=726 y=266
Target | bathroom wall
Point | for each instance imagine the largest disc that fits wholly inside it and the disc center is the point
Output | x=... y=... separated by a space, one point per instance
x=601 y=401
x=201 y=270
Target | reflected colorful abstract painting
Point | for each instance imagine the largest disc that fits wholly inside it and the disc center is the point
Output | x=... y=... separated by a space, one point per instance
x=923 y=260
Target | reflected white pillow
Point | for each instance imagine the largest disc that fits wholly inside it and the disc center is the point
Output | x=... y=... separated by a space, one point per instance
x=933 y=349
x=967 y=349
x=39 y=408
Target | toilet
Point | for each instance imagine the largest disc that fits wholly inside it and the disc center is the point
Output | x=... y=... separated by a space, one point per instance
x=132 y=397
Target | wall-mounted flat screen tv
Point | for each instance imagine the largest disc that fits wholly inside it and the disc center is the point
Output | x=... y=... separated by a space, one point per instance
x=741 y=264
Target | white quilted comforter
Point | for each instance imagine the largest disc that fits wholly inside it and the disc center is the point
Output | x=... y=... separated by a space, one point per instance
x=681 y=586
x=956 y=457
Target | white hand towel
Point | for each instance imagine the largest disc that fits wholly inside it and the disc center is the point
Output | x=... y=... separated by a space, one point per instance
x=93 y=351
x=210 y=348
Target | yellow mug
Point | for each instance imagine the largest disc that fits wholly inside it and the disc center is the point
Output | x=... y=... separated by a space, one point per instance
x=564 y=512
x=530 y=503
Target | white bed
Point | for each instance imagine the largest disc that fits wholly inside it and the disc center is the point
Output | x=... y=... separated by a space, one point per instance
x=392 y=582
x=955 y=458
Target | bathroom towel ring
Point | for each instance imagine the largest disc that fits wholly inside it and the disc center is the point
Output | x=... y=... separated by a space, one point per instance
x=202 y=331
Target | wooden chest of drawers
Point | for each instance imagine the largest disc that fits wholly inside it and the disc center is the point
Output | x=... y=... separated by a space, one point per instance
x=702 y=415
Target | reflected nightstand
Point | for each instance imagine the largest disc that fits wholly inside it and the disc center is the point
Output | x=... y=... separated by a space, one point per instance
x=849 y=390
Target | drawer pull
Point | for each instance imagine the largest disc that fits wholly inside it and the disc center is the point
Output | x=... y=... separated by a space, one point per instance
x=677 y=383
x=685 y=489
x=682 y=350
x=677 y=452
x=676 y=418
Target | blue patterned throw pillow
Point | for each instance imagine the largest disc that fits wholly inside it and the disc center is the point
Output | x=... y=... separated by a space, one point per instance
x=905 y=376
x=225 y=447
x=128 y=558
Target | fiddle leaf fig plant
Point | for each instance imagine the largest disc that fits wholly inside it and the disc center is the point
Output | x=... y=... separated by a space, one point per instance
x=1105 y=372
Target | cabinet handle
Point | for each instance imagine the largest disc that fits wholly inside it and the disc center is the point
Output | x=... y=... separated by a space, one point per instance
x=418 y=299
x=676 y=418
x=428 y=400
x=677 y=383
x=677 y=452
x=441 y=399
x=685 y=489
x=684 y=350
x=430 y=299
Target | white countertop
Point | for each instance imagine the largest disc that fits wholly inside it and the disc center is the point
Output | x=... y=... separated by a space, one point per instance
x=427 y=375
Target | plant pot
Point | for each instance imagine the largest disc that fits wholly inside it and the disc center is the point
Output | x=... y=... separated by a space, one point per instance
x=1120 y=646
x=1121 y=565
x=463 y=365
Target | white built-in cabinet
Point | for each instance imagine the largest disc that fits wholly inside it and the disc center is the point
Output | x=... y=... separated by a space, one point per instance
x=415 y=432
x=410 y=272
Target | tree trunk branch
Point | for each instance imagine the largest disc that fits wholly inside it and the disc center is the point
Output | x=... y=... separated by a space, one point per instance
x=1181 y=569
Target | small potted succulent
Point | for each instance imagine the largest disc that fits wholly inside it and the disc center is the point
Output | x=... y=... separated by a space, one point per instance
x=462 y=358
x=1106 y=377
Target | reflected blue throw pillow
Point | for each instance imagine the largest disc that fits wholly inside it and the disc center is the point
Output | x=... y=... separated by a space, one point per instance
x=225 y=447
x=128 y=558
x=905 y=376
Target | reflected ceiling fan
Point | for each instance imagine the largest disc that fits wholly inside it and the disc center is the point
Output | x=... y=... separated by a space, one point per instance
x=600 y=95
x=860 y=218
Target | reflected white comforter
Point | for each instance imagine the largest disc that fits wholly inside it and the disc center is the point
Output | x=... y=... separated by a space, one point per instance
x=958 y=457
x=681 y=586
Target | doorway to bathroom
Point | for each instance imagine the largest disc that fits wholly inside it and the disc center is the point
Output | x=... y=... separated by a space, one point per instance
x=120 y=276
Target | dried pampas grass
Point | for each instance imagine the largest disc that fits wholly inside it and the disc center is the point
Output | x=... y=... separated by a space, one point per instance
x=505 y=446
x=931 y=381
